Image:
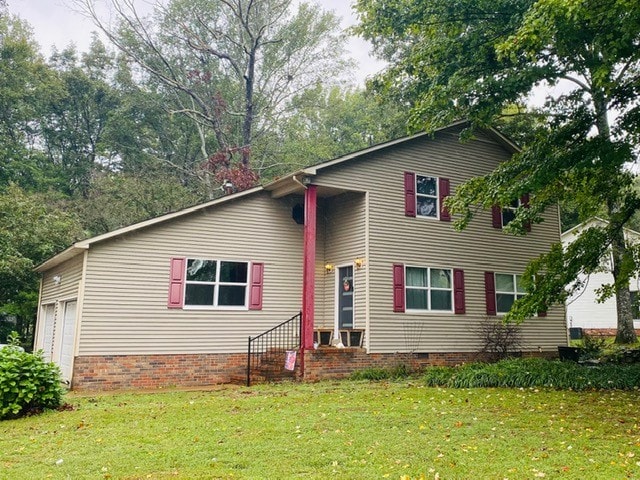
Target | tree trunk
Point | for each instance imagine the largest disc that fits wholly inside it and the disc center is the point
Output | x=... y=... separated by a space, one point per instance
x=626 y=332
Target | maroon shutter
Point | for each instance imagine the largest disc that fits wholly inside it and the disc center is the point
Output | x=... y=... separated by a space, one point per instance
x=398 y=287
x=458 y=291
x=496 y=216
x=255 y=293
x=542 y=313
x=410 y=194
x=444 y=188
x=176 y=283
x=524 y=201
x=490 y=292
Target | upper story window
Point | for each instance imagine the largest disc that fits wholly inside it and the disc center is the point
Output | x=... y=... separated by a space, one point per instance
x=509 y=212
x=427 y=196
x=508 y=290
x=429 y=289
x=502 y=216
x=424 y=196
x=216 y=283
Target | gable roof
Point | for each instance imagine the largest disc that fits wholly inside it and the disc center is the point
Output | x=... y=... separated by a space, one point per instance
x=285 y=185
x=279 y=187
x=596 y=221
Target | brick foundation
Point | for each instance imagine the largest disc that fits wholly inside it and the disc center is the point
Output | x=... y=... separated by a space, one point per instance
x=123 y=372
x=335 y=363
x=120 y=372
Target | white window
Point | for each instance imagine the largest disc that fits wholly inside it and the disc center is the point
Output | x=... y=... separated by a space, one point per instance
x=216 y=283
x=427 y=196
x=509 y=212
x=635 y=304
x=428 y=289
x=508 y=290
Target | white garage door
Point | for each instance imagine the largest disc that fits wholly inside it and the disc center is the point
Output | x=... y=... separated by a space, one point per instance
x=67 y=337
x=48 y=312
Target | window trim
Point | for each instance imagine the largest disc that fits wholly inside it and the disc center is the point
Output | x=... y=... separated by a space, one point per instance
x=497 y=213
x=451 y=290
x=514 y=292
x=216 y=286
x=443 y=190
x=424 y=195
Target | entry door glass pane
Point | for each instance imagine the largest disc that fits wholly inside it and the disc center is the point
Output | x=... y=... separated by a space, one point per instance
x=345 y=297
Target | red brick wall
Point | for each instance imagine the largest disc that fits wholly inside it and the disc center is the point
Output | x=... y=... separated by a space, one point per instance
x=116 y=372
x=337 y=363
x=121 y=372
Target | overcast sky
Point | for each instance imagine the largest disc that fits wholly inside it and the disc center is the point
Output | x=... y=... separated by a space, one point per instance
x=55 y=23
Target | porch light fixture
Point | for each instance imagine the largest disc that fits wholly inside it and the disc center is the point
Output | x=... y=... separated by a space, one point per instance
x=329 y=268
x=358 y=262
x=57 y=279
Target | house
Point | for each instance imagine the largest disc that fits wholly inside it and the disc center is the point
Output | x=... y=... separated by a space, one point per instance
x=361 y=245
x=583 y=310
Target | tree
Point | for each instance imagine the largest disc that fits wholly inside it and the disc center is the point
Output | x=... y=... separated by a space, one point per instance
x=78 y=115
x=32 y=228
x=329 y=122
x=130 y=199
x=25 y=84
x=472 y=58
x=231 y=66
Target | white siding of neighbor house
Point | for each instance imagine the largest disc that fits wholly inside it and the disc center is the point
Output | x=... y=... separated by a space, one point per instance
x=127 y=280
x=583 y=308
x=395 y=238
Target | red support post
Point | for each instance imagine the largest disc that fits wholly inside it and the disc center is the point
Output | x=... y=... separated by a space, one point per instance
x=309 y=266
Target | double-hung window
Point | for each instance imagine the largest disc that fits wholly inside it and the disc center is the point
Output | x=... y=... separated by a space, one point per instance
x=509 y=212
x=508 y=290
x=429 y=289
x=502 y=216
x=426 y=196
x=216 y=283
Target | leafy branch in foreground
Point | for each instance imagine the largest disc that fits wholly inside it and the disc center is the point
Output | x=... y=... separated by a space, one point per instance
x=475 y=59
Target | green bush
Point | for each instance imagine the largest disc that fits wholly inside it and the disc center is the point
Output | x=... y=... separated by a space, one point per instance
x=28 y=384
x=622 y=355
x=535 y=372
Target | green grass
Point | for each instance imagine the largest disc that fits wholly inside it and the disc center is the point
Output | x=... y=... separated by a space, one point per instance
x=350 y=430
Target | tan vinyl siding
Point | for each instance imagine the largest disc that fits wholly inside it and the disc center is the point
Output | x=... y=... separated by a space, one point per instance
x=395 y=238
x=343 y=230
x=125 y=303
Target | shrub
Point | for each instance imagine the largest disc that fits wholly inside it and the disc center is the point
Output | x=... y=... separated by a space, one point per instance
x=28 y=384
x=536 y=372
x=592 y=347
x=622 y=355
x=499 y=340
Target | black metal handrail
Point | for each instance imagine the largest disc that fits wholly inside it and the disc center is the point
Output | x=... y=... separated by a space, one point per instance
x=270 y=346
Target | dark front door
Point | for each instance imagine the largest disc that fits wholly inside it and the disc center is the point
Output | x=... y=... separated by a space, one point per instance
x=345 y=297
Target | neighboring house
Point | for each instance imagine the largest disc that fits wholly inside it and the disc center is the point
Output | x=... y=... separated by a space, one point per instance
x=583 y=309
x=360 y=244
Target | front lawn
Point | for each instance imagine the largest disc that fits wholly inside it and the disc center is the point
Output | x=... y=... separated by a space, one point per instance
x=346 y=430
